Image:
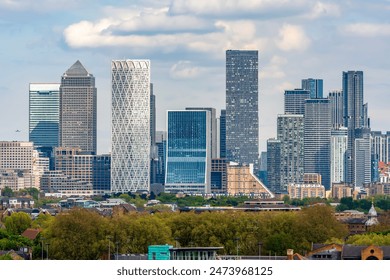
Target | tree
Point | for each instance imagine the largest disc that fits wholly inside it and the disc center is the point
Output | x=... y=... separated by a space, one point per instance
x=79 y=234
x=17 y=222
x=7 y=191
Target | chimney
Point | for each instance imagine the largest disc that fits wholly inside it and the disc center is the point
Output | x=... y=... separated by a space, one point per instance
x=290 y=254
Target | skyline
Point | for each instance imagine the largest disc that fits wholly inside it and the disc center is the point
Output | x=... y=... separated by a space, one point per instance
x=186 y=43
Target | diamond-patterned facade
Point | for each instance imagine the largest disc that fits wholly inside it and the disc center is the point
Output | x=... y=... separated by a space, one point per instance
x=130 y=155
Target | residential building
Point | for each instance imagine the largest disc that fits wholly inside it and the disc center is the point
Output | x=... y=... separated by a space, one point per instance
x=353 y=115
x=314 y=86
x=294 y=101
x=338 y=154
x=130 y=153
x=341 y=190
x=273 y=164
x=242 y=181
x=290 y=134
x=188 y=167
x=161 y=143
x=317 y=132
x=336 y=98
x=300 y=191
x=362 y=157
x=242 y=108
x=222 y=134
x=312 y=178
x=78 y=109
x=380 y=145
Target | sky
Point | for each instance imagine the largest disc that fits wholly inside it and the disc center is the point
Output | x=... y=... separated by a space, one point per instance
x=186 y=42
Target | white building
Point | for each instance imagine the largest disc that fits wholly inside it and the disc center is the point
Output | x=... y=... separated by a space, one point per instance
x=130 y=131
x=338 y=150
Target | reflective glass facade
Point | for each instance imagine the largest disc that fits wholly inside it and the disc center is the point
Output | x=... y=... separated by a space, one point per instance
x=294 y=101
x=44 y=114
x=314 y=86
x=188 y=152
x=242 y=108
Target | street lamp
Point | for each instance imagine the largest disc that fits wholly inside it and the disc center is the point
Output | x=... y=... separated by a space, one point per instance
x=237 y=239
x=260 y=244
x=47 y=249
x=42 y=239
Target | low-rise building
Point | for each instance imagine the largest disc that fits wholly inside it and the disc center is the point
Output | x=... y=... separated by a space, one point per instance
x=300 y=191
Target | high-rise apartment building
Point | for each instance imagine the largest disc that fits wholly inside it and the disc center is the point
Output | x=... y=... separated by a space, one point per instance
x=242 y=108
x=188 y=167
x=78 y=109
x=44 y=114
x=222 y=134
x=353 y=115
x=380 y=145
x=315 y=86
x=273 y=164
x=291 y=136
x=336 y=98
x=130 y=137
x=362 y=157
x=338 y=154
x=161 y=143
x=294 y=101
x=317 y=130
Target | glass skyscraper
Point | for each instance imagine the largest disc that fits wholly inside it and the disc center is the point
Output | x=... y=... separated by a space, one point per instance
x=337 y=106
x=294 y=101
x=44 y=114
x=314 y=86
x=317 y=131
x=130 y=130
x=242 y=108
x=78 y=109
x=188 y=167
x=222 y=134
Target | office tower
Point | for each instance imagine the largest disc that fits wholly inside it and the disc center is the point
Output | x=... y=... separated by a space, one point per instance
x=353 y=115
x=336 y=98
x=380 y=145
x=44 y=114
x=273 y=164
x=188 y=152
x=222 y=134
x=317 y=128
x=294 y=101
x=91 y=169
x=130 y=153
x=315 y=86
x=242 y=108
x=362 y=157
x=338 y=154
x=214 y=130
x=161 y=143
x=78 y=109
x=290 y=134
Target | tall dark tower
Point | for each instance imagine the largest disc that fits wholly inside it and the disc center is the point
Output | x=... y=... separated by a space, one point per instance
x=242 y=108
x=78 y=103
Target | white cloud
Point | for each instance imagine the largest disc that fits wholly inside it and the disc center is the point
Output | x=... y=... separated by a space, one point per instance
x=367 y=29
x=292 y=37
x=185 y=70
x=273 y=70
x=321 y=9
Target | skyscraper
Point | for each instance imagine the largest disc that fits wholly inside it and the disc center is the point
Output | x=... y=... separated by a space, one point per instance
x=214 y=130
x=290 y=134
x=44 y=114
x=317 y=129
x=130 y=154
x=188 y=167
x=222 y=134
x=336 y=98
x=353 y=115
x=314 y=86
x=78 y=109
x=362 y=157
x=242 y=108
x=338 y=154
x=294 y=101
x=273 y=164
